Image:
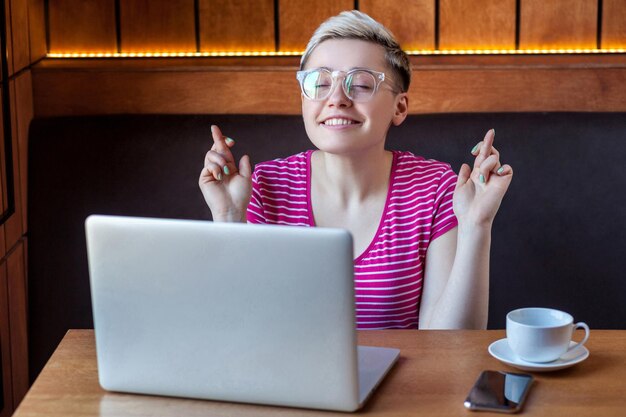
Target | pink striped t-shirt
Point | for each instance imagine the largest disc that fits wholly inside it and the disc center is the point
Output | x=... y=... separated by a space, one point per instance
x=388 y=275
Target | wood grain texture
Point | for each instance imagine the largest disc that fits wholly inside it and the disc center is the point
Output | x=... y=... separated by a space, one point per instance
x=412 y=22
x=227 y=25
x=5 y=343
x=217 y=92
x=3 y=181
x=9 y=38
x=518 y=91
x=19 y=32
x=157 y=26
x=13 y=228
x=614 y=23
x=477 y=24
x=82 y=26
x=469 y=85
x=16 y=277
x=298 y=20
x=24 y=114
x=432 y=377
x=558 y=24
x=36 y=29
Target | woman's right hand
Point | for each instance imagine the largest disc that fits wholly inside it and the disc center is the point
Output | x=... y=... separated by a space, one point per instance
x=226 y=188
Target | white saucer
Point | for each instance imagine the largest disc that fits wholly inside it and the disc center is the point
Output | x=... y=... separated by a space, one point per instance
x=501 y=351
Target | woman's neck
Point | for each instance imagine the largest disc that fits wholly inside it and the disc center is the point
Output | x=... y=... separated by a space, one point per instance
x=354 y=177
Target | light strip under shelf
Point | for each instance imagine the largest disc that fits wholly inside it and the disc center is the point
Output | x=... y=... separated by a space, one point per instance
x=421 y=52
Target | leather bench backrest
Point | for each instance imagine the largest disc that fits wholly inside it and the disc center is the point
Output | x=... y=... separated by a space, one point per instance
x=558 y=239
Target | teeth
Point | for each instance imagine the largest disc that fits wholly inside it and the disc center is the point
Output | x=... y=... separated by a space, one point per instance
x=337 y=122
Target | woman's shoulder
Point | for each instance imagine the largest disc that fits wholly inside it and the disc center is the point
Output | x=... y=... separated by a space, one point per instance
x=294 y=163
x=407 y=161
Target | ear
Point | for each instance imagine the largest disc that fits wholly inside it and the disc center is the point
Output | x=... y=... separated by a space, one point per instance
x=401 y=109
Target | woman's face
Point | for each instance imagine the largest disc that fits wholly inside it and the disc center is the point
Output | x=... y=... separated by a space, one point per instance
x=337 y=124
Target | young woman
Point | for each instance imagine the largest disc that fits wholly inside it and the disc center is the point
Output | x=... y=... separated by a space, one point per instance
x=421 y=235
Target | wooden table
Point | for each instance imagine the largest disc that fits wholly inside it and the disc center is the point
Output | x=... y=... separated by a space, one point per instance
x=432 y=378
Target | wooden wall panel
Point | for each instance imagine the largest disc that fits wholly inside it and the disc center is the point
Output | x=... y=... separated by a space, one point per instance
x=14 y=226
x=227 y=92
x=477 y=24
x=558 y=24
x=163 y=26
x=412 y=22
x=16 y=277
x=298 y=20
x=37 y=29
x=3 y=181
x=9 y=38
x=82 y=26
x=19 y=31
x=614 y=24
x=227 y=25
x=5 y=343
x=24 y=114
x=506 y=90
x=464 y=84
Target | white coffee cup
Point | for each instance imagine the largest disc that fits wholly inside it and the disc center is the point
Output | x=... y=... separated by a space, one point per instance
x=541 y=334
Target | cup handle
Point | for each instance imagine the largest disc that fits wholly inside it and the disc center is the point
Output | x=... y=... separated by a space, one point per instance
x=580 y=325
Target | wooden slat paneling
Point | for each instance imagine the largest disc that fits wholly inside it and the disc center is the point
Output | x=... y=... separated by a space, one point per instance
x=19 y=31
x=24 y=114
x=477 y=24
x=5 y=343
x=412 y=22
x=13 y=229
x=82 y=26
x=3 y=180
x=614 y=24
x=16 y=277
x=227 y=25
x=9 y=40
x=163 y=26
x=37 y=29
x=298 y=20
x=558 y=24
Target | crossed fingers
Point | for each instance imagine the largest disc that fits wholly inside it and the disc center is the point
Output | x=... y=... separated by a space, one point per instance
x=487 y=160
x=219 y=160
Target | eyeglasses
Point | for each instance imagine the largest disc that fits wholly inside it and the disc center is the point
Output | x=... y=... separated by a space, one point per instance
x=358 y=84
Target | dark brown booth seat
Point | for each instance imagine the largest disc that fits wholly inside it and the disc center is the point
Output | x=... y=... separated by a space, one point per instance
x=558 y=240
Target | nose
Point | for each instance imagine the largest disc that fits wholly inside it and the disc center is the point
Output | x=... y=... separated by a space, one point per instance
x=337 y=96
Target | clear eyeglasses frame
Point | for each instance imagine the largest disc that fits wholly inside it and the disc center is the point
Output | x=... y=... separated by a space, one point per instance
x=358 y=85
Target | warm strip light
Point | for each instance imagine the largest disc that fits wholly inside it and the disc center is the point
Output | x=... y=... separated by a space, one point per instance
x=517 y=51
x=169 y=54
x=421 y=52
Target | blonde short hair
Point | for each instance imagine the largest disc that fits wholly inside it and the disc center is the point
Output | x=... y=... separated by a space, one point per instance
x=357 y=25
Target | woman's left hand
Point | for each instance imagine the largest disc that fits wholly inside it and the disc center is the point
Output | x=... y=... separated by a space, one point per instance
x=479 y=191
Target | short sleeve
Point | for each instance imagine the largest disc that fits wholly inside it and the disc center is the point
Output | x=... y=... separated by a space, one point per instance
x=256 y=213
x=444 y=218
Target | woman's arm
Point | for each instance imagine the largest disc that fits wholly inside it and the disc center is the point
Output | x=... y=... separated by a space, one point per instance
x=456 y=279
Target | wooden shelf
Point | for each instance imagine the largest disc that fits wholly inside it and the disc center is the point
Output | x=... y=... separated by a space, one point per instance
x=267 y=85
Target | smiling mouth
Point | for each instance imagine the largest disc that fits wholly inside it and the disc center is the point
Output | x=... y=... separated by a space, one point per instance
x=339 y=122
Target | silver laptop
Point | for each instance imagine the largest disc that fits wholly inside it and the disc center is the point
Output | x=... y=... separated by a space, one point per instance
x=229 y=312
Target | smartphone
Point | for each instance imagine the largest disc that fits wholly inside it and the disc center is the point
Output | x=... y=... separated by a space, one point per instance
x=503 y=392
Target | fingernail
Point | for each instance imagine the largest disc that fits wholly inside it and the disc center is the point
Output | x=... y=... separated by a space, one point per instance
x=501 y=170
x=494 y=131
x=481 y=178
x=219 y=176
x=475 y=148
x=229 y=141
x=226 y=170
